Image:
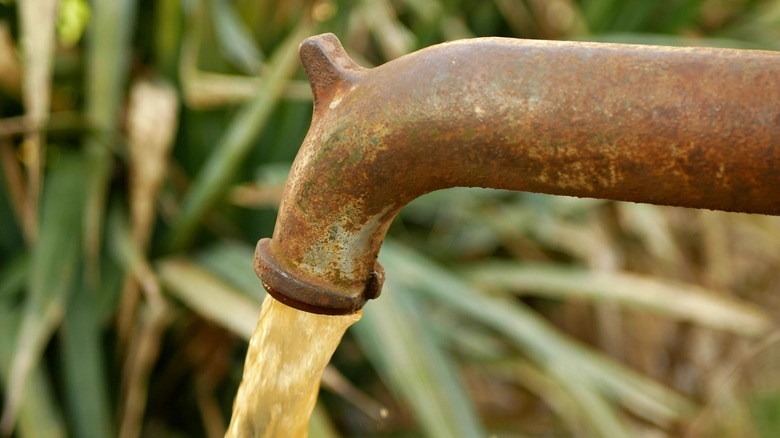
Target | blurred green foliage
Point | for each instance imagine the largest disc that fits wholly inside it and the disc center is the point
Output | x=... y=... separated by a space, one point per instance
x=144 y=145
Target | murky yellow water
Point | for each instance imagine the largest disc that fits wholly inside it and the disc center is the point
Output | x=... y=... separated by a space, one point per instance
x=287 y=354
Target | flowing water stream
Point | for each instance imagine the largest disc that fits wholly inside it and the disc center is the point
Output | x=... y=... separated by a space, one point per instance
x=287 y=354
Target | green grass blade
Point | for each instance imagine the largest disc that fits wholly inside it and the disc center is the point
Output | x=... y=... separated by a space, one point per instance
x=577 y=404
x=39 y=415
x=235 y=39
x=13 y=275
x=397 y=339
x=83 y=367
x=552 y=351
x=210 y=297
x=686 y=302
x=55 y=261
x=232 y=261
x=237 y=141
x=108 y=56
x=168 y=33
x=110 y=33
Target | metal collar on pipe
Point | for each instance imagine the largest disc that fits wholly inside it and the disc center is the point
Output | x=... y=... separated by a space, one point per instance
x=692 y=127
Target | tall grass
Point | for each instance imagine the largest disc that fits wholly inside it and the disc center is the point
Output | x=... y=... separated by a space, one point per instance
x=143 y=148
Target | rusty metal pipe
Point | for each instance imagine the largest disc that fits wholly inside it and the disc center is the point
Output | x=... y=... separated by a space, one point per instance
x=692 y=127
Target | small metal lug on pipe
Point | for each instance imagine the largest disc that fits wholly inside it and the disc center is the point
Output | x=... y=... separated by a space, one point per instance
x=691 y=127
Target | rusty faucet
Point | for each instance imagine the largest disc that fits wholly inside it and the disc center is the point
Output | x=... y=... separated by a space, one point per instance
x=692 y=127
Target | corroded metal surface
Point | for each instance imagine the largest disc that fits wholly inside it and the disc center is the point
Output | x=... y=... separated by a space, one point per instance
x=674 y=126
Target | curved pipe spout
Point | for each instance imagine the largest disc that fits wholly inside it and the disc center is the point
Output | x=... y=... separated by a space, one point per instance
x=674 y=126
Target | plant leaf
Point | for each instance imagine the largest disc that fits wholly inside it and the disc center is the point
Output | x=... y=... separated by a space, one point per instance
x=13 y=275
x=687 y=302
x=39 y=415
x=110 y=38
x=237 y=140
x=83 y=367
x=209 y=296
x=232 y=262
x=53 y=272
x=396 y=338
x=554 y=353
x=234 y=37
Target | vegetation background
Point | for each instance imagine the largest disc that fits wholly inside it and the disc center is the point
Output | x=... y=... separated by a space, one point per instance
x=143 y=148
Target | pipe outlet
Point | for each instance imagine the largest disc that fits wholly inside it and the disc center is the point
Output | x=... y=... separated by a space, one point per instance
x=691 y=127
